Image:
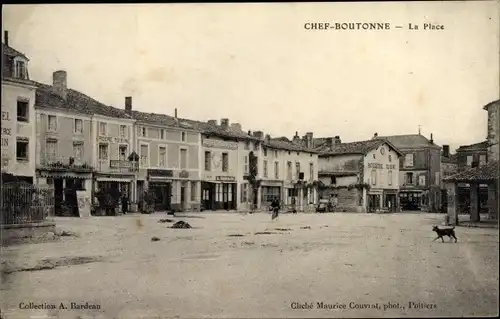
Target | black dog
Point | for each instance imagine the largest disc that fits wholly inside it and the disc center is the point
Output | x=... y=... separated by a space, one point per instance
x=450 y=232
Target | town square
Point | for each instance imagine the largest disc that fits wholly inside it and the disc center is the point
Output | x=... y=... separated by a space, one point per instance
x=155 y=170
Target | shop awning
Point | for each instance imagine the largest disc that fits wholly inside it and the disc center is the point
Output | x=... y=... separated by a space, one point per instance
x=114 y=179
x=74 y=175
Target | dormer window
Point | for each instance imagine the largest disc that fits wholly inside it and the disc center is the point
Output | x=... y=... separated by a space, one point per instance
x=20 y=70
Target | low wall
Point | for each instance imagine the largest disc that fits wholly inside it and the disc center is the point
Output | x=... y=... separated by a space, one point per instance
x=26 y=230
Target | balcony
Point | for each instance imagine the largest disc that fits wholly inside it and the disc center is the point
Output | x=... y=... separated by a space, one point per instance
x=63 y=164
x=117 y=166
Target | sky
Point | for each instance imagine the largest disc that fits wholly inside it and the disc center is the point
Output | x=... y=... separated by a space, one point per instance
x=257 y=65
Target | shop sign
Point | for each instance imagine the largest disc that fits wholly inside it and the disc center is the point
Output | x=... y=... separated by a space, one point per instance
x=6 y=130
x=110 y=139
x=184 y=174
x=225 y=178
x=381 y=166
x=160 y=172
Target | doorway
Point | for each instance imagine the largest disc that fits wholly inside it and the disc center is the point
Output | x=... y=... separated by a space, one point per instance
x=183 y=197
x=390 y=202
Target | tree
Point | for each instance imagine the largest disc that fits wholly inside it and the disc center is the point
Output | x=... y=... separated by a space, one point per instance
x=252 y=177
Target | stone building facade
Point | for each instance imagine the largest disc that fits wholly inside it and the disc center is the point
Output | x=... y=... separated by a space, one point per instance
x=18 y=115
x=362 y=175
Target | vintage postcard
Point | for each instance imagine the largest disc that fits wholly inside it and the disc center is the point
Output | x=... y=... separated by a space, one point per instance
x=250 y=160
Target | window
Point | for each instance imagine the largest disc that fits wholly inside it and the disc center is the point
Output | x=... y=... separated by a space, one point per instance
x=247 y=145
x=144 y=132
x=390 y=159
x=20 y=71
x=225 y=162
x=78 y=150
x=297 y=168
x=409 y=160
x=421 y=180
x=374 y=177
x=51 y=150
x=122 y=150
x=208 y=161
x=183 y=158
x=276 y=170
x=469 y=160
x=265 y=151
x=409 y=178
x=289 y=170
x=275 y=153
x=22 y=111
x=374 y=156
x=52 y=126
x=22 y=149
x=311 y=171
x=482 y=159
x=265 y=168
x=194 y=190
x=144 y=155
x=78 y=126
x=246 y=164
x=103 y=152
x=389 y=177
x=123 y=131
x=103 y=128
x=436 y=178
x=333 y=180
x=162 y=153
x=162 y=134
x=183 y=136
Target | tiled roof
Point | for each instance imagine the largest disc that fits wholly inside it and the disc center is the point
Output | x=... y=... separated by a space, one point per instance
x=7 y=50
x=361 y=147
x=487 y=172
x=482 y=146
x=75 y=101
x=284 y=143
x=408 y=141
x=452 y=159
x=217 y=130
x=162 y=119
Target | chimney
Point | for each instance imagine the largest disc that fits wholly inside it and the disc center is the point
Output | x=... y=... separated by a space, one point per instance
x=175 y=112
x=375 y=135
x=258 y=134
x=329 y=142
x=59 y=83
x=236 y=126
x=224 y=123
x=268 y=137
x=337 y=140
x=432 y=140
x=249 y=132
x=212 y=122
x=309 y=140
x=446 y=150
x=128 y=104
x=6 y=37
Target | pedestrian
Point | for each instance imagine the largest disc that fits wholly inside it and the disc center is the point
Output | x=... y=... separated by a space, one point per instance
x=276 y=208
x=124 y=204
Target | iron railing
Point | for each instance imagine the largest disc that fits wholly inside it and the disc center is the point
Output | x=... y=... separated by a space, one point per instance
x=54 y=162
x=118 y=166
x=23 y=203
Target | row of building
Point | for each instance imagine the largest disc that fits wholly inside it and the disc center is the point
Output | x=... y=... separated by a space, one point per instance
x=54 y=135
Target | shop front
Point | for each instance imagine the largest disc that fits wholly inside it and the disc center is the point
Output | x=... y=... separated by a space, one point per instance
x=375 y=200
x=271 y=190
x=160 y=187
x=410 y=199
x=219 y=193
x=67 y=185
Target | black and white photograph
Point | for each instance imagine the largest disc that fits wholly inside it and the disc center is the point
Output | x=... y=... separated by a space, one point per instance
x=250 y=160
